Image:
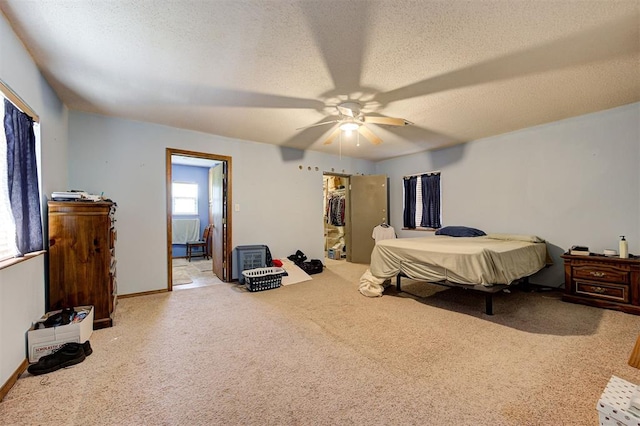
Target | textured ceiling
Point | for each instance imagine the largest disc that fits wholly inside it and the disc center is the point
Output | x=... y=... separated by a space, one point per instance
x=259 y=69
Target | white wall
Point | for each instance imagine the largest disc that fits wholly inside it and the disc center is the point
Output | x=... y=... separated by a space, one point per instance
x=280 y=205
x=22 y=285
x=21 y=302
x=575 y=181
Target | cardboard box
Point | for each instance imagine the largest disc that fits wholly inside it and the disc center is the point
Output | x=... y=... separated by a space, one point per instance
x=46 y=340
x=613 y=404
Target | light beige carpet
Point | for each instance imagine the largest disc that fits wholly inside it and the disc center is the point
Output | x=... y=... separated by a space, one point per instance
x=323 y=354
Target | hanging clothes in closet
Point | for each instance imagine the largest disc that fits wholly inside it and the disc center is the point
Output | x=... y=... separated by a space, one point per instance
x=335 y=209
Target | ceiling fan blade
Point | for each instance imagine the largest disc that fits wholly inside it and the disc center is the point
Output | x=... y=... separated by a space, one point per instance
x=606 y=41
x=387 y=121
x=212 y=96
x=369 y=135
x=318 y=124
x=332 y=136
x=344 y=59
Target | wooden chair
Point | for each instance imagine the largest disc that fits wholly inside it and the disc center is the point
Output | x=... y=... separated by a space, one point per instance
x=634 y=359
x=199 y=248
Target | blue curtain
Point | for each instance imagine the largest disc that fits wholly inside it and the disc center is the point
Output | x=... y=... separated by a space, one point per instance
x=24 y=193
x=410 y=185
x=430 y=201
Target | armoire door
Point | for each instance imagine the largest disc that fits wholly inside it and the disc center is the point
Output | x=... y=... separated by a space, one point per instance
x=367 y=204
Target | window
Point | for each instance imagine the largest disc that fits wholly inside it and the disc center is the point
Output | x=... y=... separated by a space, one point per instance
x=20 y=214
x=422 y=201
x=185 y=198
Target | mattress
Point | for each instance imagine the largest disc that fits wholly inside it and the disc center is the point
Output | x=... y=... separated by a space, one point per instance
x=486 y=260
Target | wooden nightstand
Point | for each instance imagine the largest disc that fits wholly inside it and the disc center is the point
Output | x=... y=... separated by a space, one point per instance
x=604 y=282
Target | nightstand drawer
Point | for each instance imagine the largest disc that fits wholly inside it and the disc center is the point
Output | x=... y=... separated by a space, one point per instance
x=608 y=291
x=605 y=273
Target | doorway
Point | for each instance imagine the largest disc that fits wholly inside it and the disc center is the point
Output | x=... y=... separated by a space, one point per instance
x=353 y=206
x=335 y=215
x=218 y=203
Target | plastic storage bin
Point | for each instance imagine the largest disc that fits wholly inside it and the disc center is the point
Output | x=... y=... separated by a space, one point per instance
x=249 y=257
x=263 y=278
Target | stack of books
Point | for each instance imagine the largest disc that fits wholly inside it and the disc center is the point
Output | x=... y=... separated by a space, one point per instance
x=74 y=195
x=579 y=251
x=66 y=195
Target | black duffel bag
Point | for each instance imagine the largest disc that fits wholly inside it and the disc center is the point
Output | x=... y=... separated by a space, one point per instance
x=314 y=266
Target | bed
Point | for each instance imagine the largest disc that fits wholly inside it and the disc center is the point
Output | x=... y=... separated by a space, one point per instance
x=487 y=264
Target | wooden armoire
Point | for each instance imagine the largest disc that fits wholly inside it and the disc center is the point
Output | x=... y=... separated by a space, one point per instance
x=82 y=264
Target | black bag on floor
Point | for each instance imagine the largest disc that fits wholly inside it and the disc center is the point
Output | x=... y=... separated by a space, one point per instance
x=314 y=266
x=298 y=257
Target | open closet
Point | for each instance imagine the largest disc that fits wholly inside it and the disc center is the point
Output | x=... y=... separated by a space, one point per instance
x=335 y=216
x=353 y=206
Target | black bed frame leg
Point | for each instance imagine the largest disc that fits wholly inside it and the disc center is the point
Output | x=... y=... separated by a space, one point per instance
x=398 y=278
x=489 y=303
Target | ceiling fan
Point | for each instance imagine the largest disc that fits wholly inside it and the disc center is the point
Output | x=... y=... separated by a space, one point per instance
x=351 y=118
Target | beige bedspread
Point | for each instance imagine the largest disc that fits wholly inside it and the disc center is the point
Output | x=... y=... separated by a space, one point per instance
x=476 y=260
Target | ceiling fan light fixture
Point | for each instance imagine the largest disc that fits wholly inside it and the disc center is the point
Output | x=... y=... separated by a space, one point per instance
x=349 y=126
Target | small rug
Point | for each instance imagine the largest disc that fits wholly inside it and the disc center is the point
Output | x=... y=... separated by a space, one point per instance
x=179 y=262
x=203 y=265
x=181 y=277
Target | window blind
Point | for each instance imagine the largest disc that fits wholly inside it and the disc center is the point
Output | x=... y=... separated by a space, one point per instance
x=418 y=202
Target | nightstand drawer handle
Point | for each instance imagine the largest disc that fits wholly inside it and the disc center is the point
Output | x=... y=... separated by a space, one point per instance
x=598 y=290
x=597 y=274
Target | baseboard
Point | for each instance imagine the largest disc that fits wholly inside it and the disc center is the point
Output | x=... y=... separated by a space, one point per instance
x=4 y=390
x=144 y=293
